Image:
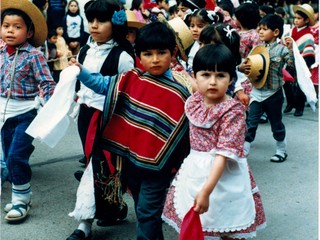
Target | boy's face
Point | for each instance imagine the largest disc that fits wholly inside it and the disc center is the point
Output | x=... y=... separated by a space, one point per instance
x=267 y=35
x=182 y=11
x=53 y=39
x=156 y=61
x=299 y=21
x=14 y=30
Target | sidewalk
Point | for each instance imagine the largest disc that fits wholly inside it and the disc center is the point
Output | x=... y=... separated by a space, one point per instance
x=289 y=190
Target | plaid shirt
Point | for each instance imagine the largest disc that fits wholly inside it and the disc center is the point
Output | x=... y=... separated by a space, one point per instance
x=31 y=71
x=279 y=56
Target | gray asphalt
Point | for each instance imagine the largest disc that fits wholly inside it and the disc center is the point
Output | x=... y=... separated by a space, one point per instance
x=289 y=189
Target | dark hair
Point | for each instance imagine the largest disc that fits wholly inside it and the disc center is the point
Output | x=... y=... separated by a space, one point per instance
x=155 y=35
x=266 y=9
x=209 y=35
x=77 y=12
x=232 y=41
x=302 y=14
x=103 y=11
x=281 y=11
x=23 y=15
x=52 y=33
x=40 y=4
x=215 y=57
x=206 y=16
x=173 y=9
x=273 y=22
x=135 y=4
x=193 y=4
x=226 y=5
x=248 y=15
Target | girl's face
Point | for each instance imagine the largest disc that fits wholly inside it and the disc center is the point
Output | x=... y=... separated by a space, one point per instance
x=73 y=7
x=14 y=30
x=101 y=32
x=132 y=34
x=213 y=86
x=196 y=27
x=299 y=21
x=156 y=61
x=182 y=11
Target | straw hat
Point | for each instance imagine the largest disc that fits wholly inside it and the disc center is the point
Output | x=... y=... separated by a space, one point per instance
x=259 y=62
x=182 y=33
x=133 y=20
x=39 y=22
x=307 y=10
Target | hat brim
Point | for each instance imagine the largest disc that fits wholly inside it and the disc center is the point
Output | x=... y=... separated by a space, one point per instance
x=135 y=24
x=263 y=51
x=37 y=18
x=183 y=55
x=305 y=11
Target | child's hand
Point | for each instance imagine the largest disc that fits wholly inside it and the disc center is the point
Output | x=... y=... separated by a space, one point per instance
x=201 y=202
x=288 y=41
x=73 y=62
x=244 y=67
x=243 y=98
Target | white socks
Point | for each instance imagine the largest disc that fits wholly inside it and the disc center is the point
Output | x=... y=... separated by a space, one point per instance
x=21 y=194
x=85 y=226
x=281 y=147
x=246 y=148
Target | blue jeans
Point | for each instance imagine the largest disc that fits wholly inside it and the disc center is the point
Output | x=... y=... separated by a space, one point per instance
x=17 y=147
x=273 y=108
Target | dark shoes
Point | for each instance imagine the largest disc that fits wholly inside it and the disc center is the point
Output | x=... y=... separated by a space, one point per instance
x=78 y=235
x=263 y=119
x=288 y=109
x=278 y=158
x=298 y=113
x=78 y=175
x=83 y=160
x=121 y=215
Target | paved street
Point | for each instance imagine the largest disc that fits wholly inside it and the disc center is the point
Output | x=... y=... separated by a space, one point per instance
x=289 y=190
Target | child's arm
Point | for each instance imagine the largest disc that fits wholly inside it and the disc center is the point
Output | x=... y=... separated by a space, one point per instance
x=289 y=58
x=94 y=81
x=201 y=201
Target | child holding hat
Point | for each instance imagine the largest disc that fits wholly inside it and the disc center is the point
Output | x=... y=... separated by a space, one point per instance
x=23 y=70
x=301 y=34
x=264 y=69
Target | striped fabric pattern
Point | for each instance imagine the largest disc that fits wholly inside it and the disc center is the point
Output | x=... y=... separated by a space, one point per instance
x=305 y=41
x=144 y=118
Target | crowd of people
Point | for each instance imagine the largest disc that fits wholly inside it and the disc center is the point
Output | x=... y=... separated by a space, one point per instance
x=224 y=64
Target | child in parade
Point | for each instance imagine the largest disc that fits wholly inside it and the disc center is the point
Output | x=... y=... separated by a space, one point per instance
x=267 y=95
x=109 y=53
x=23 y=70
x=73 y=28
x=186 y=7
x=215 y=178
x=302 y=35
x=141 y=124
x=198 y=21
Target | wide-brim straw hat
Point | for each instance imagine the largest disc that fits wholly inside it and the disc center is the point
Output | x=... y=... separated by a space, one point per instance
x=307 y=10
x=132 y=20
x=37 y=18
x=259 y=62
x=183 y=35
